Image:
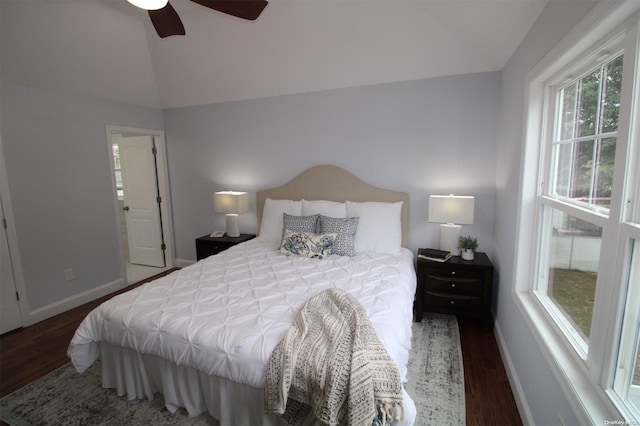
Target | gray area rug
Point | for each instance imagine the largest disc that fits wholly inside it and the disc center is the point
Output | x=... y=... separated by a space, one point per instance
x=435 y=372
x=63 y=397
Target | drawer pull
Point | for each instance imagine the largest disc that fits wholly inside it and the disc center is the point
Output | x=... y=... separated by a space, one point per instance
x=453 y=285
x=453 y=272
x=453 y=303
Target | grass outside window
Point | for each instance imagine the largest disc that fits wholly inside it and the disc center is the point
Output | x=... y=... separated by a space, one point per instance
x=574 y=292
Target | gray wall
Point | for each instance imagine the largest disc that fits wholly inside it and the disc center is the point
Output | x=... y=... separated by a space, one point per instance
x=57 y=160
x=423 y=137
x=539 y=386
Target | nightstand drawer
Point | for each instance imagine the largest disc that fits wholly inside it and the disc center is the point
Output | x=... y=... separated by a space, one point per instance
x=453 y=302
x=212 y=248
x=208 y=248
x=471 y=284
x=456 y=272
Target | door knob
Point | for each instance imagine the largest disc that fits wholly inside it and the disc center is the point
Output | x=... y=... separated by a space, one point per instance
x=125 y=208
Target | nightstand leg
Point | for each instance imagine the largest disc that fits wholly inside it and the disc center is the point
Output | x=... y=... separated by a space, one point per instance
x=418 y=310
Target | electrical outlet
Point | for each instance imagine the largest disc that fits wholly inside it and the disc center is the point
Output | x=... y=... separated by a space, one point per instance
x=69 y=274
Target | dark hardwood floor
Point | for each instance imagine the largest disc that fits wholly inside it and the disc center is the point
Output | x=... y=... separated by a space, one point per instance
x=29 y=353
x=488 y=396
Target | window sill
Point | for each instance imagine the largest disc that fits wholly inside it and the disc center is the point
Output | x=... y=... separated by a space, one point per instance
x=589 y=403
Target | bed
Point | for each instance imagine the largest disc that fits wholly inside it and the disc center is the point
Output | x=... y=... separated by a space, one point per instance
x=202 y=336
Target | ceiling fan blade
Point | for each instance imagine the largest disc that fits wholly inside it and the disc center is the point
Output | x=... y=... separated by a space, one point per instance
x=245 y=9
x=166 y=21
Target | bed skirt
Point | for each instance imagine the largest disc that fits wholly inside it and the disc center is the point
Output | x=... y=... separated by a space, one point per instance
x=141 y=376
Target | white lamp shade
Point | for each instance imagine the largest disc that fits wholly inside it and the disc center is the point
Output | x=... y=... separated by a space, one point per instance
x=231 y=202
x=451 y=209
x=149 y=4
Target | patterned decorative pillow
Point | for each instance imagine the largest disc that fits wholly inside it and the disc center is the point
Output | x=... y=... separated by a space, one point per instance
x=346 y=228
x=308 y=224
x=307 y=244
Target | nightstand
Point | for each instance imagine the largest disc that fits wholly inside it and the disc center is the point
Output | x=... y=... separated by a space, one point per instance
x=208 y=246
x=456 y=287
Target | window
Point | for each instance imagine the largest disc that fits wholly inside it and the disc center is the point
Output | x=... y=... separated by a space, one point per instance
x=627 y=377
x=118 y=170
x=578 y=272
x=569 y=274
x=575 y=203
x=584 y=145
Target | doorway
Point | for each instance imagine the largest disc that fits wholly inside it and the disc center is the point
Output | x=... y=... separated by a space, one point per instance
x=13 y=296
x=10 y=315
x=142 y=202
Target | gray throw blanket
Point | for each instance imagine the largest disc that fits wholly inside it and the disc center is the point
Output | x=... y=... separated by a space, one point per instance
x=330 y=367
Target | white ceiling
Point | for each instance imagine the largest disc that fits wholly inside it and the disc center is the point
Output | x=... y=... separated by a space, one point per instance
x=109 y=49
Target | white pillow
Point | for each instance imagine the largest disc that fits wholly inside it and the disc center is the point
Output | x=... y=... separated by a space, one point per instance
x=379 y=228
x=271 y=225
x=324 y=207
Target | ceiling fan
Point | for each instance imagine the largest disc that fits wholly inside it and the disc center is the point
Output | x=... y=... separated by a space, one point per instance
x=167 y=23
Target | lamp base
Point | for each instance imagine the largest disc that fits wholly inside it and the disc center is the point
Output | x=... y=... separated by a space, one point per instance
x=449 y=235
x=233 y=230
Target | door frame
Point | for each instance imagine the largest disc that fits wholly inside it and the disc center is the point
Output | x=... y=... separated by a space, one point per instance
x=163 y=186
x=12 y=240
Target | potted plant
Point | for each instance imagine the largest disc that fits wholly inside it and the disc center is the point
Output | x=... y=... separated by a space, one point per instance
x=468 y=246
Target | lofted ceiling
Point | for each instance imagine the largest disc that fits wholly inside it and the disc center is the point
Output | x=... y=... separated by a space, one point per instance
x=109 y=49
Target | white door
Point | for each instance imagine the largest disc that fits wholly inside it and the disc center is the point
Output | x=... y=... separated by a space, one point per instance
x=141 y=200
x=10 y=318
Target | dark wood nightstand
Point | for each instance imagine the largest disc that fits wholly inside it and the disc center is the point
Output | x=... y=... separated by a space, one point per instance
x=457 y=287
x=208 y=246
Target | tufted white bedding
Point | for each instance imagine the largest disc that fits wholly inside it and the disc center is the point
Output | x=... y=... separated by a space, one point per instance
x=224 y=315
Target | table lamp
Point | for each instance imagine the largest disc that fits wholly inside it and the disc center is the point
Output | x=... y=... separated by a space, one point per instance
x=232 y=204
x=451 y=211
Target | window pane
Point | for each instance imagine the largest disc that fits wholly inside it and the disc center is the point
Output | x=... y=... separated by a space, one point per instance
x=585 y=171
x=611 y=101
x=119 y=186
x=564 y=168
x=585 y=143
x=119 y=179
x=116 y=156
x=575 y=170
x=574 y=252
x=627 y=379
x=589 y=96
x=604 y=172
x=568 y=112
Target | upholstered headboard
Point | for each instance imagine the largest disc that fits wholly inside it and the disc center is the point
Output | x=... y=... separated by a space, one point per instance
x=333 y=183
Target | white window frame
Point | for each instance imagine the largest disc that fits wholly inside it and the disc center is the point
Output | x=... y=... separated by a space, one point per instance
x=628 y=333
x=584 y=377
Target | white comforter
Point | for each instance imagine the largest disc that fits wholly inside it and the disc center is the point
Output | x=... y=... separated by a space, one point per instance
x=225 y=314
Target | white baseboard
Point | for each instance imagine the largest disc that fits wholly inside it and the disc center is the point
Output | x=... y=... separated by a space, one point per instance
x=74 y=301
x=512 y=374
